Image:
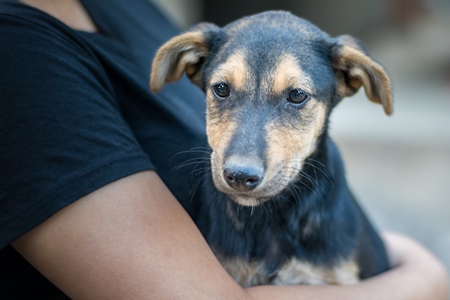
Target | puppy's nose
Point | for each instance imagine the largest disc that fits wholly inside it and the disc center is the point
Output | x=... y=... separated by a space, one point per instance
x=243 y=176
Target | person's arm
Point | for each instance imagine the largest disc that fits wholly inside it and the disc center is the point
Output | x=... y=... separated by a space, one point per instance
x=132 y=240
x=415 y=275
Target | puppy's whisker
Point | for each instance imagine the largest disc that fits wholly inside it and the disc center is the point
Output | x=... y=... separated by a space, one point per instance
x=323 y=172
x=200 y=181
x=192 y=161
x=199 y=171
x=294 y=190
x=206 y=150
x=316 y=161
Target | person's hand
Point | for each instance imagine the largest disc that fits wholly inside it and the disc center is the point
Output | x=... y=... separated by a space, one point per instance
x=427 y=276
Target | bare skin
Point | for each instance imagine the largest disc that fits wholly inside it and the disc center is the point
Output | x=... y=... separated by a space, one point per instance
x=132 y=240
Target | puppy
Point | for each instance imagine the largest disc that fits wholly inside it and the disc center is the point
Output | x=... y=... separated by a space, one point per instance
x=284 y=214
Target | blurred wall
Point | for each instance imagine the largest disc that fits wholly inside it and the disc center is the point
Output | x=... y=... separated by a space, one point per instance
x=183 y=12
x=335 y=17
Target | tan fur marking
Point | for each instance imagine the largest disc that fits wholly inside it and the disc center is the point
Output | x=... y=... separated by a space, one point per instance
x=298 y=272
x=363 y=71
x=246 y=201
x=292 y=273
x=245 y=273
x=289 y=147
x=345 y=274
x=288 y=74
x=319 y=120
x=219 y=128
x=234 y=71
x=176 y=56
x=232 y=215
x=219 y=132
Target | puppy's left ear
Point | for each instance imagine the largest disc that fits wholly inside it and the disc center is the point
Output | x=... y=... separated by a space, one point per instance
x=354 y=68
x=183 y=53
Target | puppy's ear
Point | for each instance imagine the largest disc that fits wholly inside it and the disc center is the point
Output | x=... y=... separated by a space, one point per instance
x=183 y=53
x=353 y=67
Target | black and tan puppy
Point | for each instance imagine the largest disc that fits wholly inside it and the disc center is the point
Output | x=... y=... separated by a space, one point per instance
x=285 y=214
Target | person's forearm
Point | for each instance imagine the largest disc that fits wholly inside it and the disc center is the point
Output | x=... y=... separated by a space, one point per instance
x=423 y=279
x=416 y=274
x=132 y=240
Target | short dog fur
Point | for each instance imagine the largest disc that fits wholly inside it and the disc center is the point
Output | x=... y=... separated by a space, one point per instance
x=285 y=214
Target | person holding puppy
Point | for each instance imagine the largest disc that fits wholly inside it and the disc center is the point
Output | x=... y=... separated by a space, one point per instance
x=88 y=200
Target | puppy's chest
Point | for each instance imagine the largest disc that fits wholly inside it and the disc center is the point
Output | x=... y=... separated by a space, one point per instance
x=283 y=255
x=292 y=272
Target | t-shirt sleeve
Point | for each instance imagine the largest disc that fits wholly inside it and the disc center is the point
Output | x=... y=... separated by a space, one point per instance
x=62 y=134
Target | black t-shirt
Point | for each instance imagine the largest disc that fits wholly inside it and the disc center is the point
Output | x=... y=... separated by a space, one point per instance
x=76 y=114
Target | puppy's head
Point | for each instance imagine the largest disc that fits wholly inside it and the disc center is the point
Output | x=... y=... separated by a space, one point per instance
x=270 y=81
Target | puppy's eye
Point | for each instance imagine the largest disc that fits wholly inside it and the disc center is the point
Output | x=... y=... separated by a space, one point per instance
x=297 y=96
x=221 y=90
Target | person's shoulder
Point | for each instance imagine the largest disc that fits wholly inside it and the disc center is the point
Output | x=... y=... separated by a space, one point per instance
x=16 y=15
x=35 y=42
x=26 y=29
x=42 y=58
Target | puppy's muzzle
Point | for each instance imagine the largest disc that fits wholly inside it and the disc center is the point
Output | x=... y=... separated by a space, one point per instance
x=243 y=174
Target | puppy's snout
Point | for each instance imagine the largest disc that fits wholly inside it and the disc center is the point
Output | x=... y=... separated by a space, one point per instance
x=243 y=174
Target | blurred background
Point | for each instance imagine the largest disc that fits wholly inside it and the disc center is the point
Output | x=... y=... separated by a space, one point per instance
x=398 y=166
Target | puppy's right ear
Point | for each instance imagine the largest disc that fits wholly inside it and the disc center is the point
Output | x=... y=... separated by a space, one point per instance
x=183 y=53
